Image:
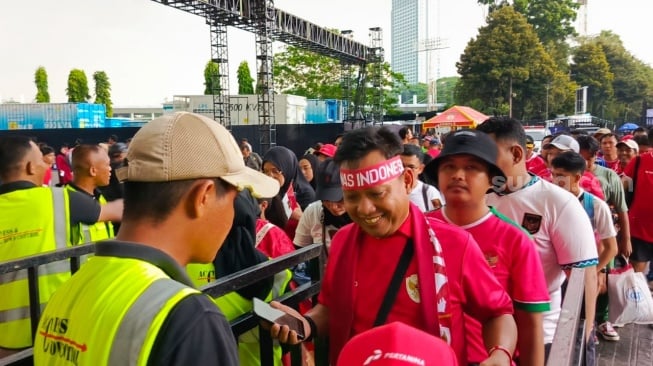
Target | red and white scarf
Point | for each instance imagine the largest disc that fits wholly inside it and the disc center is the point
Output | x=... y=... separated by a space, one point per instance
x=432 y=279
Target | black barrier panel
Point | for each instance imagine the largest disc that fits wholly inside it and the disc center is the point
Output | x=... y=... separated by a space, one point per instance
x=297 y=138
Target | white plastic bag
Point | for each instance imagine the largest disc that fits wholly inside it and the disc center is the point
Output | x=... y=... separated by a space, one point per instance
x=630 y=297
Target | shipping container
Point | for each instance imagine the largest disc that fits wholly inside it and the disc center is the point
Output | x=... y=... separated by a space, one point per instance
x=324 y=111
x=28 y=116
x=288 y=109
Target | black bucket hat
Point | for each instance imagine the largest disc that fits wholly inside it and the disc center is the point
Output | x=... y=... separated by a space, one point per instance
x=470 y=142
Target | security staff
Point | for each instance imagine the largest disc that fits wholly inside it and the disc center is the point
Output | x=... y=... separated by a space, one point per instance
x=132 y=303
x=34 y=220
x=91 y=170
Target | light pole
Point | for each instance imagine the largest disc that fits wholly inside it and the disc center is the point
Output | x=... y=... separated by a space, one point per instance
x=546 y=113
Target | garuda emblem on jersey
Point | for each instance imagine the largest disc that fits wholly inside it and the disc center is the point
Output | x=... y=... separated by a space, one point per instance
x=531 y=222
x=412 y=287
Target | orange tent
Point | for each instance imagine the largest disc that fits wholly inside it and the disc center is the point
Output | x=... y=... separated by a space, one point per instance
x=456 y=117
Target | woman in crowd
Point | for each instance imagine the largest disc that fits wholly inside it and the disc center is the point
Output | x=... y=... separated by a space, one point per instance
x=308 y=165
x=295 y=193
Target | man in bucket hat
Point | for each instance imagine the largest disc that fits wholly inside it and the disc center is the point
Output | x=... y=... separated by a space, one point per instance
x=464 y=172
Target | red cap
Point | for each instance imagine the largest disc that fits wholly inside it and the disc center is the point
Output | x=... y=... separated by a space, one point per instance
x=627 y=137
x=396 y=344
x=328 y=150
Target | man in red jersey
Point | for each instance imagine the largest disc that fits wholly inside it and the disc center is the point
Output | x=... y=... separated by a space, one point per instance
x=464 y=172
x=443 y=277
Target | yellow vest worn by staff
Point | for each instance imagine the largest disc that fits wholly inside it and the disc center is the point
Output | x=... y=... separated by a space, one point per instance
x=233 y=305
x=33 y=221
x=109 y=313
x=91 y=233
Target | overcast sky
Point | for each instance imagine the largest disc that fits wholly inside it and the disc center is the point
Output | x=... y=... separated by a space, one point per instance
x=152 y=52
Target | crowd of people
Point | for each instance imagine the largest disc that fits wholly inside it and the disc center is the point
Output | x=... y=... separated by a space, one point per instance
x=459 y=242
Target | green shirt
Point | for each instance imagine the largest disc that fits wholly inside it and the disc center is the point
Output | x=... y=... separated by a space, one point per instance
x=613 y=189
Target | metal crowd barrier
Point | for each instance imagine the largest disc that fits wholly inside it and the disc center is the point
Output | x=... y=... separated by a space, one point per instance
x=238 y=280
x=568 y=346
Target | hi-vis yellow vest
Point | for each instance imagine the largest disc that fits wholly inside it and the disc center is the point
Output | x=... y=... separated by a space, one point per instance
x=91 y=233
x=109 y=313
x=233 y=305
x=32 y=221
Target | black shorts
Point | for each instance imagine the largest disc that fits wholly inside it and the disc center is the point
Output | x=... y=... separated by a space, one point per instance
x=642 y=250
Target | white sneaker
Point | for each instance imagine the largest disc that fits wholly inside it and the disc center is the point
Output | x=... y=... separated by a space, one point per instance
x=607 y=332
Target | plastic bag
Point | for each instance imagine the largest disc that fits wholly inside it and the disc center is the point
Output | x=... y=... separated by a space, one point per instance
x=630 y=297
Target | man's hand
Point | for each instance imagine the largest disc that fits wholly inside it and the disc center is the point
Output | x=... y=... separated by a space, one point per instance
x=625 y=247
x=283 y=332
x=497 y=358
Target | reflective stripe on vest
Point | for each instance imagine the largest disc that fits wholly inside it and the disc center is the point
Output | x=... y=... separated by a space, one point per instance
x=130 y=339
x=84 y=233
x=38 y=223
x=113 y=309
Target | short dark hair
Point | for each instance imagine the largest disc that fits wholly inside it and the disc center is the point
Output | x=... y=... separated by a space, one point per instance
x=569 y=161
x=504 y=129
x=403 y=132
x=639 y=129
x=46 y=149
x=412 y=150
x=80 y=153
x=155 y=200
x=358 y=143
x=13 y=150
x=589 y=143
x=114 y=138
x=642 y=140
x=578 y=132
x=650 y=136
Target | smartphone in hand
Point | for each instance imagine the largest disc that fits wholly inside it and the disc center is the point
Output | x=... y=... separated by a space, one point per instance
x=275 y=316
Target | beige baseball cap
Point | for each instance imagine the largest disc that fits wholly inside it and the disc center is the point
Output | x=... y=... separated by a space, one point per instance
x=184 y=146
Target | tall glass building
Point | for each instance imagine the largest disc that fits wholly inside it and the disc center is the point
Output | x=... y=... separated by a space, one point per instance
x=408 y=28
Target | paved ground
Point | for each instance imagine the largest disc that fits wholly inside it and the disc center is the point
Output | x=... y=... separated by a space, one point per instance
x=635 y=348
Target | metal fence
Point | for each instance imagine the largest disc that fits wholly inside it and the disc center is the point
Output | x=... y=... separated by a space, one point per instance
x=567 y=348
x=313 y=253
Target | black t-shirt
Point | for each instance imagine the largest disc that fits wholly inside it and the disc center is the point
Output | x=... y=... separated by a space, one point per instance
x=83 y=208
x=195 y=331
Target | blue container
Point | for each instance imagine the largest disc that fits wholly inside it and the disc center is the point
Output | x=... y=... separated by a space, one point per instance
x=324 y=111
x=21 y=116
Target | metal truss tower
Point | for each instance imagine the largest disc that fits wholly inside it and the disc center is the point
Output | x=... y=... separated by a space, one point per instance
x=220 y=82
x=375 y=59
x=346 y=81
x=264 y=13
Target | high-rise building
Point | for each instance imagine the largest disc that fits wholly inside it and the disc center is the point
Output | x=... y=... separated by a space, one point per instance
x=409 y=30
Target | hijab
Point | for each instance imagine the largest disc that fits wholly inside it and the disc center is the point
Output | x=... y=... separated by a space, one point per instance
x=239 y=249
x=312 y=159
x=286 y=161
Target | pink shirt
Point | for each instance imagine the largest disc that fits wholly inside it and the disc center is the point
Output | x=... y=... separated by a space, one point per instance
x=511 y=254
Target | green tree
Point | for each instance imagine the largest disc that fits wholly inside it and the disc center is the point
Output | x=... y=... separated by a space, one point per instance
x=421 y=90
x=446 y=90
x=211 y=78
x=103 y=91
x=77 y=90
x=314 y=76
x=507 y=64
x=553 y=20
x=590 y=68
x=300 y=72
x=41 y=81
x=245 y=80
x=633 y=79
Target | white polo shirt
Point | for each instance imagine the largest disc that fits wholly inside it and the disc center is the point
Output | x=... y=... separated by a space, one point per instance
x=562 y=232
x=416 y=196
